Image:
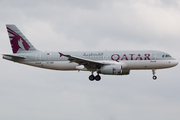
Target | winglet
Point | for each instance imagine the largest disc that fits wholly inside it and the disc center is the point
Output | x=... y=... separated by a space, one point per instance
x=60 y=54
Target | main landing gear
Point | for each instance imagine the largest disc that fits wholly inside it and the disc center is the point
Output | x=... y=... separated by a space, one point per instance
x=154 y=76
x=92 y=77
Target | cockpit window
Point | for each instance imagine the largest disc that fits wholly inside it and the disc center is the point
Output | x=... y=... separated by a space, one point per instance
x=168 y=56
x=165 y=56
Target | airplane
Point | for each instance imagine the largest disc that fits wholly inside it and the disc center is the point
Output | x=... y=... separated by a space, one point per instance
x=101 y=62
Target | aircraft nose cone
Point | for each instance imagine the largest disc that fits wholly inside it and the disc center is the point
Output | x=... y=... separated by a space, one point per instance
x=175 y=62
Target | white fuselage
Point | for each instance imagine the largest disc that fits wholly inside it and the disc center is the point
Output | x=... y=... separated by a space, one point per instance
x=54 y=61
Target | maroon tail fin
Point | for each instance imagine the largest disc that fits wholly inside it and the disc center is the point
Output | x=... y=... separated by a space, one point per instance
x=19 y=42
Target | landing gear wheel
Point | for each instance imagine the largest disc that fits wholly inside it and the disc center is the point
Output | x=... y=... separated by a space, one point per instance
x=154 y=77
x=98 y=78
x=91 y=77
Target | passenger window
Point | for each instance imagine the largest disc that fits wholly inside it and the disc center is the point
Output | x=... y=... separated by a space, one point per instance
x=163 y=56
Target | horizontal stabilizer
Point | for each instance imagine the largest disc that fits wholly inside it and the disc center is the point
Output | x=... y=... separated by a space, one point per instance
x=14 y=56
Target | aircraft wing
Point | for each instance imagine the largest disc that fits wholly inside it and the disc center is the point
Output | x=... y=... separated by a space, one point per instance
x=89 y=64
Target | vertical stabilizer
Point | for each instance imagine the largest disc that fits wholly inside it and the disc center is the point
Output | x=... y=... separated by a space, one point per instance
x=19 y=42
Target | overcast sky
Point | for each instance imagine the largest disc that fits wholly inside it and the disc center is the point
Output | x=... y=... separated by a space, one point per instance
x=28 y=93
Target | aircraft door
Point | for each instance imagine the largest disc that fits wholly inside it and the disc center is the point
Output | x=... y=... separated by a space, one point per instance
x=38 y=59
x=153 y=57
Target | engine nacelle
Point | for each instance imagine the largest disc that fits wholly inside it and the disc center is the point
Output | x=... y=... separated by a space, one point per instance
x=113 y=70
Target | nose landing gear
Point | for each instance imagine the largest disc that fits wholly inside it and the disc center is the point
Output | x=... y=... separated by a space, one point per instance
x=154 y=76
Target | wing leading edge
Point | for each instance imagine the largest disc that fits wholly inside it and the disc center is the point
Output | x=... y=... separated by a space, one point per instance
x=89 y=64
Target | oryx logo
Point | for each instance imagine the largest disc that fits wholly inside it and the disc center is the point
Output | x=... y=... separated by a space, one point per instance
x=17 y=42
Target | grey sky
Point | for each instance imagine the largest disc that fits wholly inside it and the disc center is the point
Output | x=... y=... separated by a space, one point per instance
x=82 y=25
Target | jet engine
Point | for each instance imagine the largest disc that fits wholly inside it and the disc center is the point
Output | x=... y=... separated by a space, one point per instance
x=113 y=70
